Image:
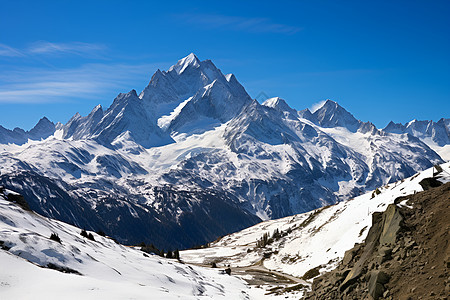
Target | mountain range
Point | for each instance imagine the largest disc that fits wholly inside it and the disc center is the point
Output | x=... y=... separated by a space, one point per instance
x=193 y=157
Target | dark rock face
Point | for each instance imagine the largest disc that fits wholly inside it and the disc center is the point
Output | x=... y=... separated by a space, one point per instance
x=406 y=254
x=16 y=198
x=205 y=214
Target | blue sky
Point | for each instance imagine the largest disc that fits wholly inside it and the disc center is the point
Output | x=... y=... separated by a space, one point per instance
x=381 y=60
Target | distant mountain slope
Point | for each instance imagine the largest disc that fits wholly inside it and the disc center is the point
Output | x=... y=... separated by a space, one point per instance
x=42 y=130
x=193 y=143
x=434 y=134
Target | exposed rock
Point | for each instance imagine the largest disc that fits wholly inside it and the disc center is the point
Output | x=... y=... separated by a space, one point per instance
x=376 y=281
x=406 y=254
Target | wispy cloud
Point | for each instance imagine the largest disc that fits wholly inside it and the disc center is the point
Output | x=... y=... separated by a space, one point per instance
x=76 y=48
x=252 y=25
x=6 y=50
x=85 y=82
x=316 y=106
x=43 y=48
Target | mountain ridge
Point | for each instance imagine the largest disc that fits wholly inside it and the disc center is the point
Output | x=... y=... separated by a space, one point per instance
x=194 y=132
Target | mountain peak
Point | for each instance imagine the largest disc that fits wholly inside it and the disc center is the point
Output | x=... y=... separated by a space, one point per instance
x=331 y=114
x=330 y=104
x=272 y=102
x=190 y=60
x=280 y=105
x=43 y=129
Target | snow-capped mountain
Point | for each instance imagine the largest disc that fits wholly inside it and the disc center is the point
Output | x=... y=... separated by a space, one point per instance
x=43 y=129
x=434 y=134
x=193 y=157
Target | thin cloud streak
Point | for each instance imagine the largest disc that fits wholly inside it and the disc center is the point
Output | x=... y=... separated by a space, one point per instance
x=8 y=51
x=86 y=82
x=43 y=48
x=252 y=25
x=76 y=48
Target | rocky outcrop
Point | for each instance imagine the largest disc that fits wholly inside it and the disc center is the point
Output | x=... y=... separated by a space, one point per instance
x=406 y=254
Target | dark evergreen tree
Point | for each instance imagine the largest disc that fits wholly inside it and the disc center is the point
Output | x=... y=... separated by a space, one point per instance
x=83 y=233
x=55 y=237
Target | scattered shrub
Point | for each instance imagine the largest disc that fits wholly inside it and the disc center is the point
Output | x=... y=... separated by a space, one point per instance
x=83 y=233
x=176 y=254
x=101 y=233
x=89 y=235
x=63 y=269
x=214 y=265
x=151 y=249
x=55 y=237
x=207 y=245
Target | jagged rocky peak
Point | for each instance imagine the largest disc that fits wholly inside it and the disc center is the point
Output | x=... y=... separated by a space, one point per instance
x=216 y=102
x=189 y=91
x=230 y=77
x=189 y=61
x=98 y=110
x=308 y=115
x=181 y=81
x=438 y=132
x=332 y=114
x=394 y=127
x=43 y=129
x=366 y=127
x=280 y=105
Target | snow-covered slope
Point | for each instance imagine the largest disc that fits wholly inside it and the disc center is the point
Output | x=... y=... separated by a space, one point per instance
x=89 y=269
x=193 y=143
x=315 y=239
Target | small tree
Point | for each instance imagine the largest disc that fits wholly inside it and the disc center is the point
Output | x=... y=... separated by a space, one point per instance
x=276 y=234
x=169 y=254
x=261 y=243
x=91 y=236
x=176 y=254
x=55 y=237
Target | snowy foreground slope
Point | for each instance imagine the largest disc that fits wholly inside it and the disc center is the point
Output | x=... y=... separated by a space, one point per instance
x=108 y=270
x=310 y=240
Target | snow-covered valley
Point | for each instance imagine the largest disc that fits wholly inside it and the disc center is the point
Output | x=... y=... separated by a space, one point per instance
x=35 y=266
